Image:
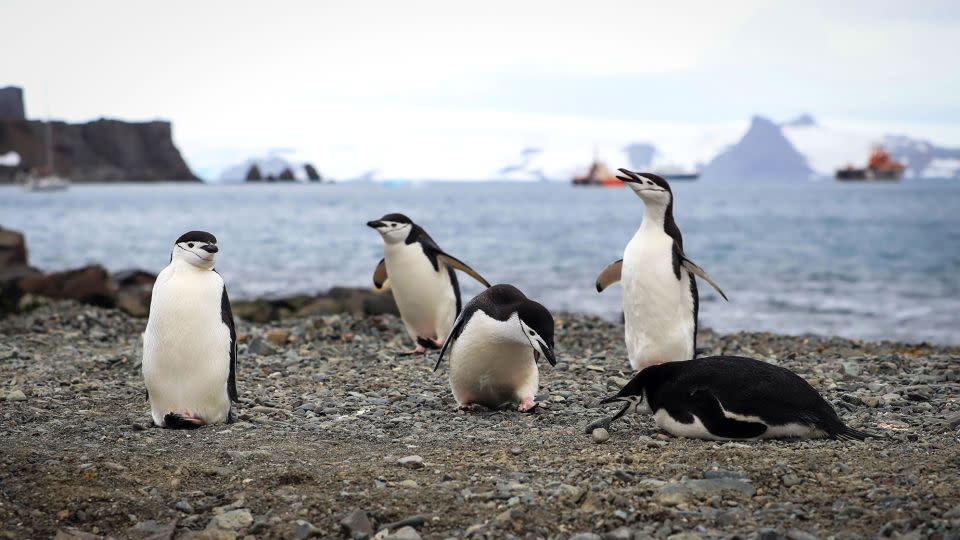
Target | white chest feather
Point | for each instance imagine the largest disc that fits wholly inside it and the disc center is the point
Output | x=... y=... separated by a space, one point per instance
x=186 y=346
x=657 y=307
x=489 y=369
x=424 y=296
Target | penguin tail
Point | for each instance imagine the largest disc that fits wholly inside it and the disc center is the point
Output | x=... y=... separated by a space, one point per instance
x=427 y=344
x=847 y=433
x=175 y=421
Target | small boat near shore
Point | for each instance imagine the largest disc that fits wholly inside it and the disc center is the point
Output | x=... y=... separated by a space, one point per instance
x=44 y=177
x=881 y=167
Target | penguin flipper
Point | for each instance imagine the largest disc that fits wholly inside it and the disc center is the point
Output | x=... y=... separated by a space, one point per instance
x=696 y=270
x=455 y=331
x=609 y=275
x=380 y=276
x=226 y=314
x=708 y=409
x=453 y=262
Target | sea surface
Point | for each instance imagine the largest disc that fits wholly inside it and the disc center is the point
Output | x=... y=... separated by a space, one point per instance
x=856 y=260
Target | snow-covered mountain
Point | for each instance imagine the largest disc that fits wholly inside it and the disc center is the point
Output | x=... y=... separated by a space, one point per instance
x=764 y=152
x=826 y=149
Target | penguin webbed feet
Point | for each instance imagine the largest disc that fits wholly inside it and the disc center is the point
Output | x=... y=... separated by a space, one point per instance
x=173 y=420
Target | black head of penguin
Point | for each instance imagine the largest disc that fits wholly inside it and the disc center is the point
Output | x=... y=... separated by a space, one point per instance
x=502 y=301
x=652 y=189
x=196 y=247
x=197 y=236
x=539 y=327
x=395 y=227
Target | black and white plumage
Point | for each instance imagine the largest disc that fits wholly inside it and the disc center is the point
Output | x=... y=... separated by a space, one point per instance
x=494 y=347
x=422 y=277
x=730 y=397
x=660 y=297
x=190 y=343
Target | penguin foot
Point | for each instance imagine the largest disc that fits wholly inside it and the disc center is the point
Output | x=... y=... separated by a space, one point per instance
x=173 y=420
x=528 y=405
x=419 y=349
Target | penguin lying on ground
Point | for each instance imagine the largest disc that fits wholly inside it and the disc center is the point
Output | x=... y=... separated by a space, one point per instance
x=730 y=397
x=660 y=298
x=422 y=278
x=494 y=347
x=190 y=344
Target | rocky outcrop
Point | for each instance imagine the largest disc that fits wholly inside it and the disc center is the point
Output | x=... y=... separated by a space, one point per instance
x=11 y=103
x=90 y=285
x=253 y=174
x=286 y=175
x=21 y=286
x=312 y=174
x=356 y=301
x=100 y=151
x=763 y=153
x=13 y=268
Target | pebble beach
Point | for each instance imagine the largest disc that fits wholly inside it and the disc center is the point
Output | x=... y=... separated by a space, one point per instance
x=340 y=437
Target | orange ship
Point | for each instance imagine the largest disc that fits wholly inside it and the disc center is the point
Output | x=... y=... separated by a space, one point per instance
x=598 y=175
x=880 y=166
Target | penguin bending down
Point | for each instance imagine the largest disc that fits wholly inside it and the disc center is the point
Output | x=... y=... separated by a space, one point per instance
x=660 y=298
x=422 y=278
x=730 y=397
x=494 y=348
x=190 y=345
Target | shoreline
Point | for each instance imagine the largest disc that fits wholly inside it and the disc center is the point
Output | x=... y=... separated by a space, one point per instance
x=328 y=410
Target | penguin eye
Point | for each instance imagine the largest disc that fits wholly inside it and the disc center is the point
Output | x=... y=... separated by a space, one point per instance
x=190 y=245
x=532 y=333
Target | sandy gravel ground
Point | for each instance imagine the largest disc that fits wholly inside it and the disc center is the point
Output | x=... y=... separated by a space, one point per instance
x=338 y=436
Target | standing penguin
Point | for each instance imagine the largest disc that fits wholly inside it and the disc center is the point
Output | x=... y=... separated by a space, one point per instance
x=422 y=278
x=660 y=299
x=494 y=347
x=190 y=345
x=730 y=397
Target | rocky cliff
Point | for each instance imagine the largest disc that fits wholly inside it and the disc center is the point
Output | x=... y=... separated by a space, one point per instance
x=99 y=151
x=11 y=103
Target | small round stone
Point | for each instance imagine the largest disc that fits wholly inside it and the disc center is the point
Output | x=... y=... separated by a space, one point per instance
x=600 y=435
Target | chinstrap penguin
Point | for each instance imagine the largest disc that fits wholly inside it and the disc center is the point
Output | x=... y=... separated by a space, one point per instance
x=422 y=278
x=660 y=298
x=727 y=398
x=494 y=348
x=190 y=344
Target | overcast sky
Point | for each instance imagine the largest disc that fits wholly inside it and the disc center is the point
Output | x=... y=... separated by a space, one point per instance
x=413 y=87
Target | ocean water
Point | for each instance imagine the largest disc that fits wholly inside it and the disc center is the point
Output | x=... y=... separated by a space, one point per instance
x=866 y=261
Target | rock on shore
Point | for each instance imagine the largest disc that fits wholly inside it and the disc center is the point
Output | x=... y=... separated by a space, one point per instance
x=339 y=437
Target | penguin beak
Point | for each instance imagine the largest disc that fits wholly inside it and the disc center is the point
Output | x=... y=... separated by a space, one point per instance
x=375 y=224
x=549 y=355
x=210 y=248
x=630 y=177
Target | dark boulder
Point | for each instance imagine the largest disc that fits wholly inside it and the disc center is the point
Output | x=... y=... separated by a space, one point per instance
x=286 y=175
x=13 y=268
x=134 y=288
x=13 y=248
x=90 y=285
